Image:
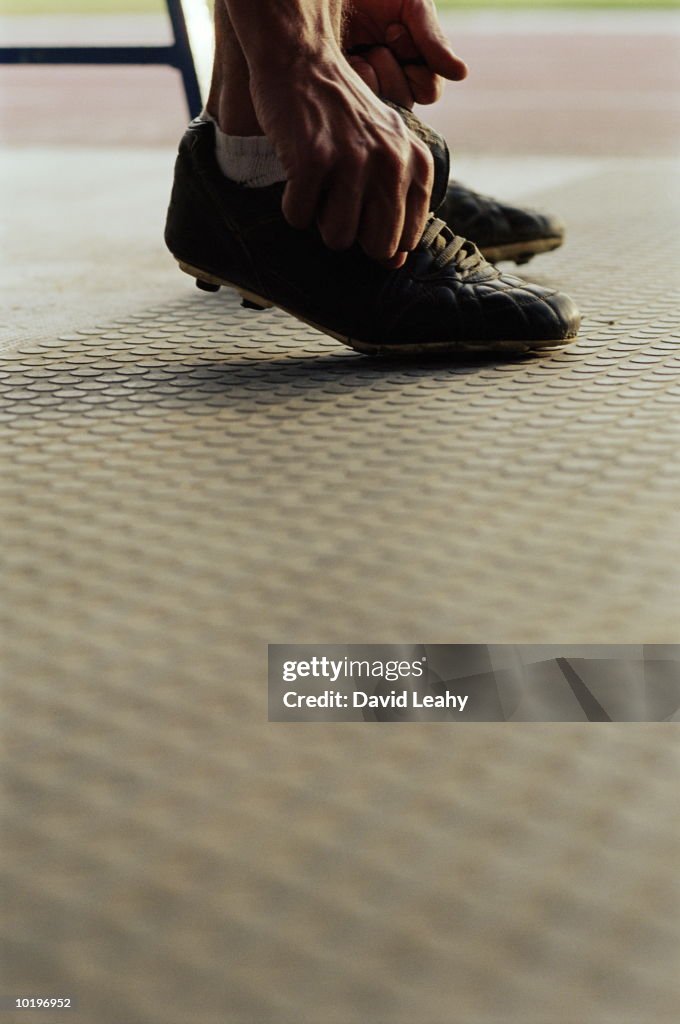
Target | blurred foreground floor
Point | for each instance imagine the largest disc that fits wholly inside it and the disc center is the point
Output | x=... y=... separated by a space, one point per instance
x=182 y=485
x=182 y=482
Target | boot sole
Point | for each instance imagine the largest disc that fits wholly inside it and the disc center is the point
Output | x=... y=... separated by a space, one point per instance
x=251 y=300
x=520 y=252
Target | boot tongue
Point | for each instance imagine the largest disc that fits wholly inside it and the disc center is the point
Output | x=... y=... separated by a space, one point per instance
x=437 y=147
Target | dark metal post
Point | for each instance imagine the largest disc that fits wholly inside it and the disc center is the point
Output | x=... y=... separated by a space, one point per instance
x=184 y=59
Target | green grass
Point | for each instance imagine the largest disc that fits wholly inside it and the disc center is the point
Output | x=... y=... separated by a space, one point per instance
x=158 y=6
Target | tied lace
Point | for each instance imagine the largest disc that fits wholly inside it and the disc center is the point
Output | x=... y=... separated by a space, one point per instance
x=449 y=248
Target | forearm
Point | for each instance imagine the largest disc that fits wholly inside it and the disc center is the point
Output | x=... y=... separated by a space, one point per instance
x=276 y=35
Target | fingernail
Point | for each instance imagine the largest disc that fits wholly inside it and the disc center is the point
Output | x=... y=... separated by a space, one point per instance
x=396 y=261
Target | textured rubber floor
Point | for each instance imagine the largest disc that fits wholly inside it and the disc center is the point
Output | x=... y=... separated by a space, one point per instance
x=184 y=485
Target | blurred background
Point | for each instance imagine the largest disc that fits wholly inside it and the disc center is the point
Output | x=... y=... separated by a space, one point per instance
x=546 y=76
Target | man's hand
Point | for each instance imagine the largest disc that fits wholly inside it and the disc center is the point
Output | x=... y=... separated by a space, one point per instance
x=399 y=49
x=350 y=162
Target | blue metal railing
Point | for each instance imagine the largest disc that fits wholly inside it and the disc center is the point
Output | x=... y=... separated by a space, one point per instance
x=177 y=55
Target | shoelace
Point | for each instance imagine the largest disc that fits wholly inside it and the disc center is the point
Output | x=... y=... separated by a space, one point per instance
x=449 y=248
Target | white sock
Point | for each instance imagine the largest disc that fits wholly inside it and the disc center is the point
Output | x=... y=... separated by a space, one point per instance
x=249 y=160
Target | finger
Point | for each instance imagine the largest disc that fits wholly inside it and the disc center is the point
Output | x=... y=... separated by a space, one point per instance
x=415 y=216
x=398 y=38
x=420 y=18
x=300 y=200
x=340 y=213
x=366 y=72
x=396 y=261
x=381 y=225
x=392 y=80
x=417 y=206
x=425 y=86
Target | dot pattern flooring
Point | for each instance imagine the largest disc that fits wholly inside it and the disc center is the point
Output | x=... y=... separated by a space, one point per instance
x=185 y=484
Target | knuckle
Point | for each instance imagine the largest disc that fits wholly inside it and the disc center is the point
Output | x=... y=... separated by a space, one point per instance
x=395 y=122
x=421 y=189
x=423 y=156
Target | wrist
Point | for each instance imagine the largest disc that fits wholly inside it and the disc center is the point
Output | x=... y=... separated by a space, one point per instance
x=296 y=37
x=309 y=73
x=303 y=65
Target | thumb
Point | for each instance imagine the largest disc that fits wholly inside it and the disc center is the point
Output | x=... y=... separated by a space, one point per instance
x=420 y=18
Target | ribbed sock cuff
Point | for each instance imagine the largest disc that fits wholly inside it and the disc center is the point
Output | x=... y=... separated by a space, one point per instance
x=249 y=160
